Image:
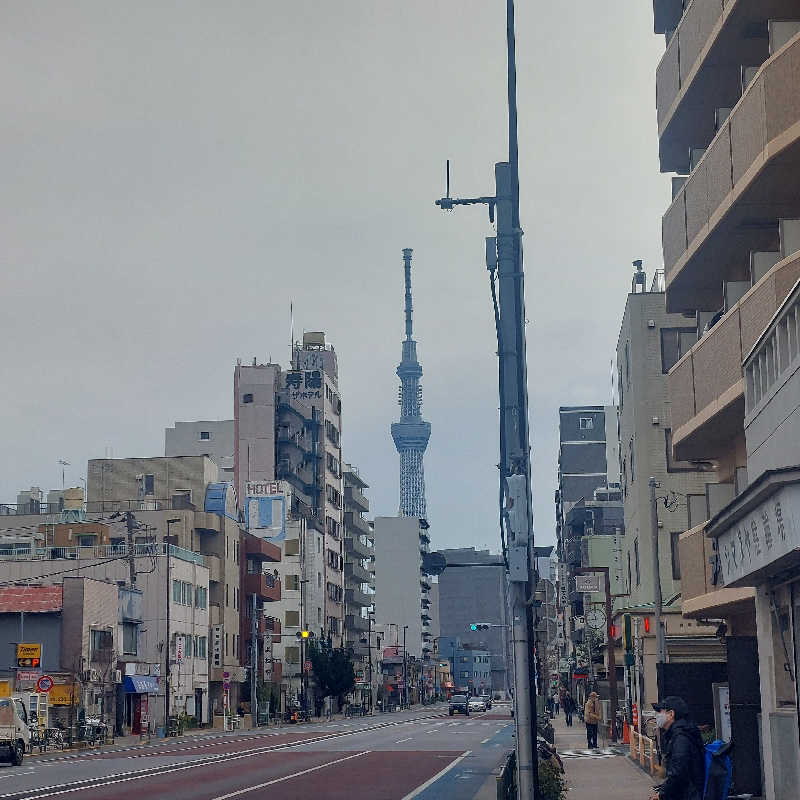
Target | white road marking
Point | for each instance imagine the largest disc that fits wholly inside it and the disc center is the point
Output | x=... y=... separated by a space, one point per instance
x=289 y=777
x=400 y=741
x=420 y=789
x=486 y=740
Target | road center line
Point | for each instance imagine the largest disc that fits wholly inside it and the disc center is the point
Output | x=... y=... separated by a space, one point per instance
x=289 y=777
x=420 y=789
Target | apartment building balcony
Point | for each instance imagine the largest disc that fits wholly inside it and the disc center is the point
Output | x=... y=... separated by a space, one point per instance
x=216 y=572
x=744 y=183
x=355 y=597
x=298 y=440
x=354 y=572
x=706 y=385
x=261 y=549
x=702 y=594
x=356 y=523
x=305 y=413
x=266 y=587
x=354 y=622
x=355 y=498
x=712 y=52
x=354 y=546
x=299 y=475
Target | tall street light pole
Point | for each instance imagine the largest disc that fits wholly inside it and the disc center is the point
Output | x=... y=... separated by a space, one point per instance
x=504 y=261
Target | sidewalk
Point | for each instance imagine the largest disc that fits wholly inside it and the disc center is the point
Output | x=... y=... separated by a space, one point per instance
x=601 y=776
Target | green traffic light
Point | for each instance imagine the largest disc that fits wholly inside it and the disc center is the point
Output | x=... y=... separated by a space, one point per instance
x=473 y=627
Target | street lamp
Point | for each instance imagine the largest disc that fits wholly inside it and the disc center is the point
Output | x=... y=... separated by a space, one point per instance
x=167 y=544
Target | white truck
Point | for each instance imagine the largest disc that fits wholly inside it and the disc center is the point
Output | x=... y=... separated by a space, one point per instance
x=14 y=734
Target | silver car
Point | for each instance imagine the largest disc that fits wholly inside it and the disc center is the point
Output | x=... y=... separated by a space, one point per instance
x=477 y=704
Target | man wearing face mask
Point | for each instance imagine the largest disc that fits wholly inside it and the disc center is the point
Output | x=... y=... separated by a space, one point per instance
x=683 y=751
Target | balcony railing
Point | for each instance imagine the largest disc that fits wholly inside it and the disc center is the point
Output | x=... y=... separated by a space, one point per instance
x=748 y=169
x=354 y=570
x=355 y=522
x=356 y=498
x=356 y=623
x=176 y=503
x=355 y=597
x=706 y=386
x=355 y=546
x=265 y=586
x=261 y=550
x=16 y=552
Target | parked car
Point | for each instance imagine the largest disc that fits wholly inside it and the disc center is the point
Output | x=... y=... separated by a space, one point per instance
x=14 y=732
x=487 y=698
x=459 y=704
x=477 y=704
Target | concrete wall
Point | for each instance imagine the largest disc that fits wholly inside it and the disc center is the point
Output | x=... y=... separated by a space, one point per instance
x=397 y=574
x=42 y=628
x=184 y=439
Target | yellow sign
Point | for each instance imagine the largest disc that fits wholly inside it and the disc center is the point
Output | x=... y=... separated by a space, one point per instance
x=62 y=694
x=5 y=689
x=29 y=651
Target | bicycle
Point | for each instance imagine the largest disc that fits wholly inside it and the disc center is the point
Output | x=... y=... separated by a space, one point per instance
x=54 y=737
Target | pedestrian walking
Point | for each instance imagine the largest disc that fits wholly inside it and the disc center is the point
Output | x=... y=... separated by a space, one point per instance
x=592 y=714
x=548 y=704
x=683 y=752
x=569 y=709
x=555 y=704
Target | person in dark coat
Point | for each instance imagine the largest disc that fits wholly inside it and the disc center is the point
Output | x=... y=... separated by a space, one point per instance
x=683 y=749
x=569 y=708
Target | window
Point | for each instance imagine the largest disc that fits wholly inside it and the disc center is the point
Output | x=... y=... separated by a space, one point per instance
x=629 y=570
x=199 y=647
x=292 y=655
x=227 y=595
x=620 y=390
x=633 y=460
x=148 y=484
x=291 y=582
x=176 y=591
x=675 y=551
x=226 y=644
x=130 y=637
x=319 y=615
x=675 y=342
x=247 y=398
x=319 y=580
x=319 y=544
x=201 y=597
x=205 y=436
x=291 y=547
x=585 y=423
x=292 y=619
x=636 y=560
x=100 y=643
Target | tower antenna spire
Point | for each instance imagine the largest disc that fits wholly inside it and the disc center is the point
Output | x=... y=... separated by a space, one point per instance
x=411 y=433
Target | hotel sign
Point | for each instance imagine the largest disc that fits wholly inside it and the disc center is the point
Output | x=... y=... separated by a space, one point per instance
x=766 y=534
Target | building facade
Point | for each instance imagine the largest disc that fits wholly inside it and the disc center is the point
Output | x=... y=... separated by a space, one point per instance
x=473 y=589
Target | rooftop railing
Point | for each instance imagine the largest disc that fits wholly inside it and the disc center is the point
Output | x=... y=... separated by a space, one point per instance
x=30 y=551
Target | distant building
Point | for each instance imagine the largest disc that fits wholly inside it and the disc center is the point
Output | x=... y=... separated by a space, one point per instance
x=472 y=589
x=401 y=587
x=212 y=438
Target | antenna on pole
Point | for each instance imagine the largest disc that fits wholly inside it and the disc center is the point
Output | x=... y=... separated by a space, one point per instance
x=448 y=178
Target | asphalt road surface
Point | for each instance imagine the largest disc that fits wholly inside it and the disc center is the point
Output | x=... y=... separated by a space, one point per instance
x=421 y=754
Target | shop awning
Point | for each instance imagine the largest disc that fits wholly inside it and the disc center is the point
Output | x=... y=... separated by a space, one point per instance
x=140 y=684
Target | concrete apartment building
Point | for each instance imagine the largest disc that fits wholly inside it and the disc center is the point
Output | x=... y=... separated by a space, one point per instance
x=288 y=427
x=401 y=586
x=212 y=438
x=113 y=637
x=473 y=589
x=650 y=342
x=727 y=108
x=359 y=552
x=182 y=497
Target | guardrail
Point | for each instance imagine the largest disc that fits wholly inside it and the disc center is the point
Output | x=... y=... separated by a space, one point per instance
x=507 y=779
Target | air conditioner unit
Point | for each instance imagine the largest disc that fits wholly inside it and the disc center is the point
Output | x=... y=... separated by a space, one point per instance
x=117 y=676
x=90 y=676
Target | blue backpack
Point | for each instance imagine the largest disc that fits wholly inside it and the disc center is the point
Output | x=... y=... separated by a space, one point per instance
x=719 y=772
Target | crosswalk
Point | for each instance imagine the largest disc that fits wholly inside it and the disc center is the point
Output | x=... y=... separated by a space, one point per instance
x=597 y=752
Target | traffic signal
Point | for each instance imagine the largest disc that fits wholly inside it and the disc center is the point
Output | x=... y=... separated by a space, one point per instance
x=304 y=635
x=480 y=626
x=627 y=637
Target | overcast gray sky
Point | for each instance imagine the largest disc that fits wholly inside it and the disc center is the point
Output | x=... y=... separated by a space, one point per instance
x=175 y=173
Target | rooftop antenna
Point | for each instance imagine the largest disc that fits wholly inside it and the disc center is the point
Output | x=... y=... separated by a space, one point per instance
x=447 y=203
x=291 y=334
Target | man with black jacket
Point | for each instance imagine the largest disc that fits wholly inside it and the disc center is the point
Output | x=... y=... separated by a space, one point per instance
x=683 y=751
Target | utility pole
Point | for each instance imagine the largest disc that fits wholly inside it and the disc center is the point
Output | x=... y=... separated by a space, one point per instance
x=254 y=666
x=504 y=261
x=405 y=667
x=658 y=600
x=130 y=524
x=167 y=547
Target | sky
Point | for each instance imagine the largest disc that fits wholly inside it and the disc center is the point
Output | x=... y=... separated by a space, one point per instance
x=176 y=173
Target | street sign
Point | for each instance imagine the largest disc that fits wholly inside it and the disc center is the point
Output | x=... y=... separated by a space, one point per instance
x=588 y=583
x=29 y=655
x=307 y=666
x=29 y=674
x=44 y=684
x=180 y=643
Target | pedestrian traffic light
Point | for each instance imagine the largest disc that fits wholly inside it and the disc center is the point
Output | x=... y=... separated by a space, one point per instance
x=480 y=626
x=627 y=637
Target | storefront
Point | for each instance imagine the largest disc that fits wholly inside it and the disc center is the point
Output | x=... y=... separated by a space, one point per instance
x=137 y=690
x=758 y=545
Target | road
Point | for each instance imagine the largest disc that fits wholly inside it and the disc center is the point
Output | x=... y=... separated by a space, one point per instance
x=421 y=754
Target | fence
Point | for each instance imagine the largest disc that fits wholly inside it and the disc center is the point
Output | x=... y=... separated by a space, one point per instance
x=28 y=551
x=507 y=779
x=644 y=750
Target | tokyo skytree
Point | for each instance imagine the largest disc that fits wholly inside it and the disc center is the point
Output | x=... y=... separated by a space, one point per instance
x=411 y=434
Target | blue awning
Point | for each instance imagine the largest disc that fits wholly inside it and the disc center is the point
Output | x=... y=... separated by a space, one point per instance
x=140 y=684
